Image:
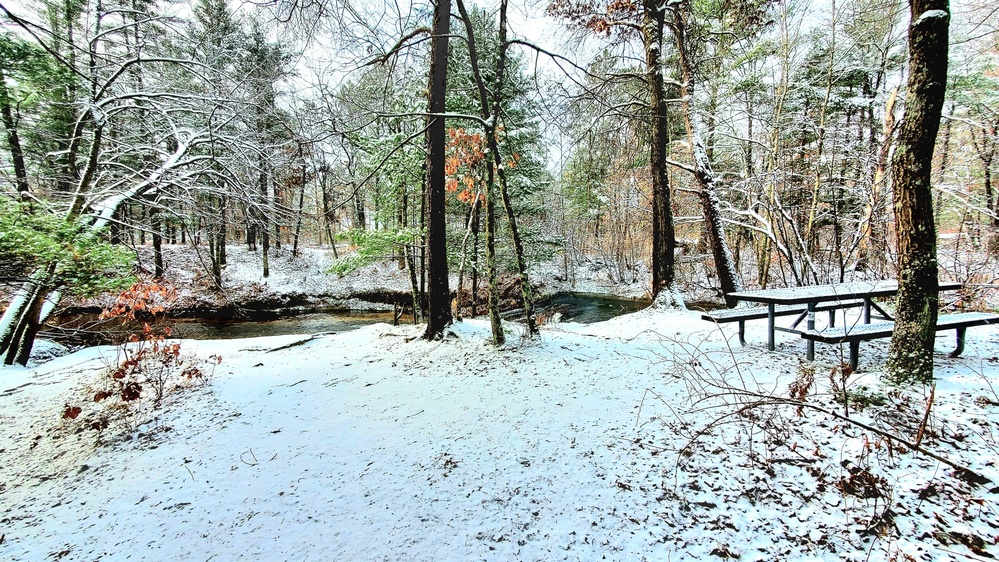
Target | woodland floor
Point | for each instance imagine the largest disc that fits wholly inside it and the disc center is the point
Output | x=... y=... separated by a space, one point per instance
x=617 y=441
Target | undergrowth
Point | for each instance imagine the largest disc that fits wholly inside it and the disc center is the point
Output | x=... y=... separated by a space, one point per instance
x=144 y=371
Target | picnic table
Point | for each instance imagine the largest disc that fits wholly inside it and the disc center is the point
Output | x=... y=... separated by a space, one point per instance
x=814 y=296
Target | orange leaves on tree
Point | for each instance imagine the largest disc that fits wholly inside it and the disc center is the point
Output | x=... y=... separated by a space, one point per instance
x=143 y=297
x=601 y=17
x=512 y=162
x=464 y=163
x=466 y=197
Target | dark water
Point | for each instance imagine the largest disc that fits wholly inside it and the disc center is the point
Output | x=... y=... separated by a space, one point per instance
x=88 y=330
x=208 y=329
x=585 y=308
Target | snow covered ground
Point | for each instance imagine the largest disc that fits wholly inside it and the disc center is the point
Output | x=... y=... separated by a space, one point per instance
x=377 y=445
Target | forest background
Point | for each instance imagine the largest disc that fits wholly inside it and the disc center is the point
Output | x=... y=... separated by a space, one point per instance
x=716 y=144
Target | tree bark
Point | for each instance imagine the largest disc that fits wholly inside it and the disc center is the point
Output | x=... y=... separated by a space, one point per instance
x=493 y=300
x=301 y=201
x=23 y=317
x=476 y=211
x=439 y=309
x=724 y=263
x=910 y=354
x=156 y=226
x=663 y=235
x=13 y=141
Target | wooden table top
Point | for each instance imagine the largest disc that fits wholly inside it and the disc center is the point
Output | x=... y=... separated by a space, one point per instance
x=838 y=291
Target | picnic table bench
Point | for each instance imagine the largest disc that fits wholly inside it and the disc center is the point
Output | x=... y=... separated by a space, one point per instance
x=742 y=314
x=806 y=301
x=855 y=334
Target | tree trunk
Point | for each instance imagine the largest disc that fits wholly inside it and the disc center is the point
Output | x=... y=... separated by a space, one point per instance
x=987 y=181
x=439 y=307
x=216 y=242
x=223 y=204
x=23 y=316
x=910 y=354
x=663 y=234
x=985 y=146
x=265 y=247
x=724 y=264
x=499 y=338
x=476 y=211
x=262 y=217
x=456 y=309
x=301 y=205
x=114 y=230
x=13 y=141
x=360 y=221
x=154 y=224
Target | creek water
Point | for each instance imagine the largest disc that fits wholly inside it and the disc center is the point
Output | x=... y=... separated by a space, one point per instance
x=587 y=308
x=572 y=307
x=221 y=329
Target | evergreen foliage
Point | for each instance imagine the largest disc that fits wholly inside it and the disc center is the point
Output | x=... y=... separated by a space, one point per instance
x=87 y=263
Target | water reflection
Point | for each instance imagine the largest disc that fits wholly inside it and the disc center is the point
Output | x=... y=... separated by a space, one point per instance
x=89 y=330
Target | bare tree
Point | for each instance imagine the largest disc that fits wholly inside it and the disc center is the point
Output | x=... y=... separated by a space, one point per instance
x=910 y=355
x=439 y=308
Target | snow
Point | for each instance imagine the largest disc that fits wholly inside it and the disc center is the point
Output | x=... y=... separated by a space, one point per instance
x=378 y=445
x=930 y=15
x=304 y=278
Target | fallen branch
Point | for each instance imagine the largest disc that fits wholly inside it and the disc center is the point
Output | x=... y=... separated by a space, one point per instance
x=300 y=342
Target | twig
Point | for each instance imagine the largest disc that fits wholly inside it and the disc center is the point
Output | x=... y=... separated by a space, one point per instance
x=773 y=401
x=254 y=457
x=926 y=415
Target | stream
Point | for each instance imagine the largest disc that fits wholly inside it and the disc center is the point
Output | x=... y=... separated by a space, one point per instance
x=583 y=308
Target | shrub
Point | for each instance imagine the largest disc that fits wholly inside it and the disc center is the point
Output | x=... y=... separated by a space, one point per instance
x=147 y=368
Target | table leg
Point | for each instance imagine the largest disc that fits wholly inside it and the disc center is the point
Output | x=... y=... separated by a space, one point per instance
x=854 y=354
x=810 y=325
x=770 y=324
x=867 y=310
x=960 y=342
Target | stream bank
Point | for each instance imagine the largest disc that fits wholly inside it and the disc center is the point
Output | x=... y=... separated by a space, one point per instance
x=299 y=295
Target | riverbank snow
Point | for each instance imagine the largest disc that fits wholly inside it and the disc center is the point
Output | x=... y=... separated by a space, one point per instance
x=579 y=445
x=303 y=278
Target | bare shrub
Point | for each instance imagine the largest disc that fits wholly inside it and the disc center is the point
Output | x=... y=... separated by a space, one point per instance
x=145 y=369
